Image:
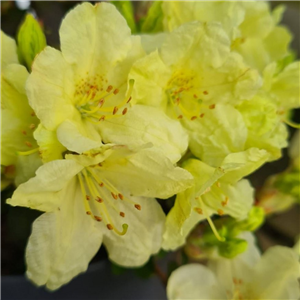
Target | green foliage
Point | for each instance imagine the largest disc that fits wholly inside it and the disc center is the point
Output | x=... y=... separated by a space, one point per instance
x=153 y=22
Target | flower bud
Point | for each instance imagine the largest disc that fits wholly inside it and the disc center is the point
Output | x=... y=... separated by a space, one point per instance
x=31 y=40
x=231 y=248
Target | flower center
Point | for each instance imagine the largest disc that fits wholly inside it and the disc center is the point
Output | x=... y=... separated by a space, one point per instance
x=185 y=96
x=236 y=293
x=100 y=196
x=97 y=100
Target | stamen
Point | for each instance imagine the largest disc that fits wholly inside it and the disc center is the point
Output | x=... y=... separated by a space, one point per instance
x=122 y=214
x=212 y=106
x=193 y=118
x=28 y=152
x=32 y=126
x=24 y=132
x=114 y=196
x=292 y=124
x=212 y=226
x=98 y=199
x=224 y=203
x=121 y=196
x=124 y=111
x=137 y=206
x=109 y=88
x=205 y=92
x=94 y=192
x=28 y=144
x=220 y=212
x=202 y=115
x=83 y=192
x=99 y=219
x=198 y=210
x=115 y=110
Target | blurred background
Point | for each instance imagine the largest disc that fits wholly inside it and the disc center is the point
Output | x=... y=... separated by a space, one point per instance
x=280 y=229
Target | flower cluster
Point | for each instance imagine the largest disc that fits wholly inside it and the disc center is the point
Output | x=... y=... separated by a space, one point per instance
x=193 y=103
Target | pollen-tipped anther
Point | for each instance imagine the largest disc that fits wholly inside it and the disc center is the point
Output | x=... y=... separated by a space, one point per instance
x=137 y=206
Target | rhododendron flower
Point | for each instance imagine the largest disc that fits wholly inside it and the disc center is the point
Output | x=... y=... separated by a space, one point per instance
x=94 y=197
x=18 y=119
x=274 y=275
x=252 y=27
x=216 y=191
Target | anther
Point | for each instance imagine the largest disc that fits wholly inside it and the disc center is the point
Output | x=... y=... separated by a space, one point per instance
x=218 y=184
x=137 y=206
x=202 y=115
x=89 y=213
x=220 y=212
x=205 y=92
x=115 y=110
x=33 y=114
x=102 y=118
x=98 y=199
x=212 y=106
x=124 y=111
x=28 y=144
x=116 y=91
x=195 y=96
x=180 y=117
x=98 y=218
x=122 y=214
x=114 y=196
x=87 y=197
x=109 y=88
x=198 y=210
x=24 y=132
x=101 y=102
x=109 y=226
x=101 y=184
x=32 y=126
x=128 y=100
x=121 y=196
x=224 y=203
x=193 y=118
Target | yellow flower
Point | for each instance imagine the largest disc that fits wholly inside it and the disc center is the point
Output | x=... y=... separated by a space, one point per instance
x=217 y=191
x=274 y=275
x=251 y=26
x=18 y=119
x=97 y=197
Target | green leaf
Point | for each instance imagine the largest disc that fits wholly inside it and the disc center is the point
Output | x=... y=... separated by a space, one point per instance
x=31 y=40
